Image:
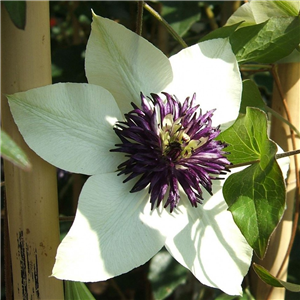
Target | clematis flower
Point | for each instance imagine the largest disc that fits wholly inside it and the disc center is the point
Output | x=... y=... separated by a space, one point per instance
x=144 y=130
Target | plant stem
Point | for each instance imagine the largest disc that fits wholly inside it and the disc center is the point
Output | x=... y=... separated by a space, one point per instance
x=277 y=156
x=139 y=18
x=279 y=116
x=166 y=24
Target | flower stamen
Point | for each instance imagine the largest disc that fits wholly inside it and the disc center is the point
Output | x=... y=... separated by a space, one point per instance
x=170 y=146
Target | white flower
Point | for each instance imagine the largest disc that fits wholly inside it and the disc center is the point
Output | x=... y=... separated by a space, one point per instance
x=71 y=126
x=258 y=11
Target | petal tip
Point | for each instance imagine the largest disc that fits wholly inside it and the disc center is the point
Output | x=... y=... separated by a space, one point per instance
x=93 y=14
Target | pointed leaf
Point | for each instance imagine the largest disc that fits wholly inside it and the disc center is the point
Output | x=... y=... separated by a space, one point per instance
x=12 y=152
x=251 y=96
x=77 y=291
x=256 y=195
x=222 y=32
x=266 y=42
x=17 y=12
x=227 y=297
x=265 y=276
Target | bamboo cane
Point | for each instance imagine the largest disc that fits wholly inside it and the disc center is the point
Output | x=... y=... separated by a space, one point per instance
x=31 y=197
x=289 y=77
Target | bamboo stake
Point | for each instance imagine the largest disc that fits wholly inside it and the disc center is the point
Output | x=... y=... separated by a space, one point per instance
x=289 y=76
x=32 y=207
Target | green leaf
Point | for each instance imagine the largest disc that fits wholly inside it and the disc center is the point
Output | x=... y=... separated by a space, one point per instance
x=251 y=96
x=12 y=152
x=255 y=195
x=246 y=296
x=265 y=276
x=222 y=32
x=165 y=274
x=181 y=15
x=17 y=12
x=227 y=297
x=266 y=42
x=77 y=291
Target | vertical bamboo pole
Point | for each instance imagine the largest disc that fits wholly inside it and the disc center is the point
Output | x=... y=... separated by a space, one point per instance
x=289 y=75
x=31 y=197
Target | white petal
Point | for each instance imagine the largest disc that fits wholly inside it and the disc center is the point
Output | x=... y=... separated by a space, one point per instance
x=69 y=125
x=263 y=10
x=211 y=70
x=110 y=234
x=124 y=63
x=284 y=163
x=256 y=12
x=212 y=246
x=243 y=13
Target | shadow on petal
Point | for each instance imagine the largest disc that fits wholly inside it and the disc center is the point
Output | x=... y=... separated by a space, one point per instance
x=108 y=237
x=212 y=247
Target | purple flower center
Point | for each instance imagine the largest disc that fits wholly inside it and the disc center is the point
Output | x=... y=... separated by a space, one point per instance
x=171 y=148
